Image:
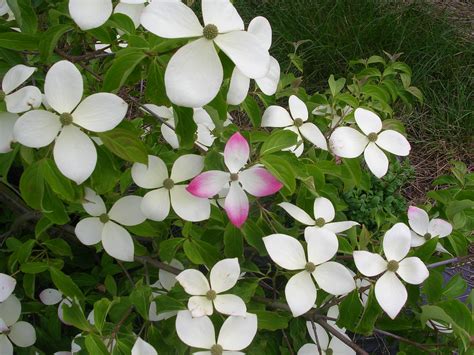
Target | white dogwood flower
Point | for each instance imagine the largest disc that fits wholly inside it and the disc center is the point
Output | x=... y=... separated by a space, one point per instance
x=329 y=346
x=74 y=152
x=171 y=190
x=7 y=122
x=300 y=291
x=22 y=334
x=322 y=224
x=239 y=83
x=235 y=334
x=132 y=9
x=390 y=292
x=256 y=181
x=7 y=286
x=89 y=14
x=424 y=229
x=196 y=82
x=141 y=347
x=107 y=227
x=348 y=142
x=24 y=99
x=207 y=295
x=277 y=117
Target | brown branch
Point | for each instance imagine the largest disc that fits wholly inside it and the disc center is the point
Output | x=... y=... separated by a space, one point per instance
x=423 y=347
x=158 y=264
x=335 y=333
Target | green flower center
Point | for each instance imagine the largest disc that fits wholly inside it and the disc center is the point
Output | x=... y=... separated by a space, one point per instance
x=65 y=118
x=310 y=267
x=329 y=351
x=2 y=95
x=210 y=32
x=217 y=350
x=392 y=265
x=211 y=295
x=427 y=236
x=373 y=137
x=104 y=218
x=234 y=177
x=168 y=184
x=298 y=122
x=320 y=222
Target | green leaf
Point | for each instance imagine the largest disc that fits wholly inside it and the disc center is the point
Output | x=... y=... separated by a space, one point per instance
x=122 y=67
x=297 y=61
x=59 y=247
x=277 y=141
x=185 y=126
x=336 y=85
x=233 y=242
x=50 y=39
x=18 y=41
x=33 y=268
x=426 y=250
x=433 y=286
x=169 y=247
x=29 y=282
x=125 y=144
x=155 y=85
x=281 y=169
x=140 y=298
x=122 y=22
x=95 y=345
x=60 y=185
x=370 y=314
x=166 y=303
x=455 y=287
x=271 y=320
x=101 y=309
x=74 y=315
x=252 y=109
x=254 y=236
x=65 y=284
x=350 y=310
x=32 y=186
x=25 y=15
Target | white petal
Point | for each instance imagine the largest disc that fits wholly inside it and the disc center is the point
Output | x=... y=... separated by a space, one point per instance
x=134 y=11
x=194 y=74
x=321 y=336
x=347 y=142
x=7 y=123
x=93 y=203
x=150 y=176
x=127 y=212
x=195 y=332
x=170 y=135
x=286 y=251
x=161 y=111
x=313 y=134
x=334 y=278
x=25 y=99
x=189 y=207
x=100 y=112
x=308 y=349
x=238 y=332
x=236 y=205
x=322 y=244
x=376 y=160
x=323 y=208
x=36 y=129
x=297 y=213
x=298 y=108
x=117 y=242
x=230 y=305
x=300 y=293
x=394 y=143
x=369 y=264
x=261 y=28
x=259 y=182
x=245 y=50
x=7 y=286
x=187 y=167
x=339 y=227
x=6 y=347
x=418 y=220
x=141 y=347
x=10 y=310
x=75 y=154
x=167 y=279
x=202 y=117
x=416 y=240
x=239 y=87
x=63 y=85
x=209 y=183
x=390 y=293
x=396 y=242
x=200 y=306
x=156 y=204
x=297 y=149
x=50 y=296
x=269 y=83
x=89 y=14
x=276 y=116
x=341 y=348
x=224 y=275
x=193 y=282
x=22 y=334
x=413 y=270
x=368 y=121
x=15 y=77
x=171 y=19
x=221 y=14
x=439 y=228
x=236 y=153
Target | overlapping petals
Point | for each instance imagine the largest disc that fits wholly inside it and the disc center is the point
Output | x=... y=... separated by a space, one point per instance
x=424 y=229
x=18 y=99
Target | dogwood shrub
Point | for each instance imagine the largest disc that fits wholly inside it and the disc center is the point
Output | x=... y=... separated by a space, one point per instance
x=156 y=200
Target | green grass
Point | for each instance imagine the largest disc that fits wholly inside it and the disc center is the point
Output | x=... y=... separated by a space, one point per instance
x=342 y=30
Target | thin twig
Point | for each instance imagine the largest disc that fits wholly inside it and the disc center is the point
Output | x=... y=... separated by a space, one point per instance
x=335 y=333
x=158 y=264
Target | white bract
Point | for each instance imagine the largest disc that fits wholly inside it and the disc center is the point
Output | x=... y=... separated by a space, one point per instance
x=132 y=9
x=255 y=180
x=235 y=335
x=207 y=295
x=141 y=347
x=348 y=142
x=74 y=152
x=390 y=292
x=239 y=83
x=22 y=334
x=423 y=229
x=7 y=123
x=194 y=74
x=51 y=296
x=24 y=99
x=7 y=286
x=89 y=14
x=324 y=214
x=107 y=227
x=329 y=346
x=278 y=117
x=171 y=190
x=300 y=291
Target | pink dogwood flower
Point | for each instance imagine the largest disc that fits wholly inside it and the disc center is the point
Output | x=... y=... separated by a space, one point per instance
x=255 y=180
